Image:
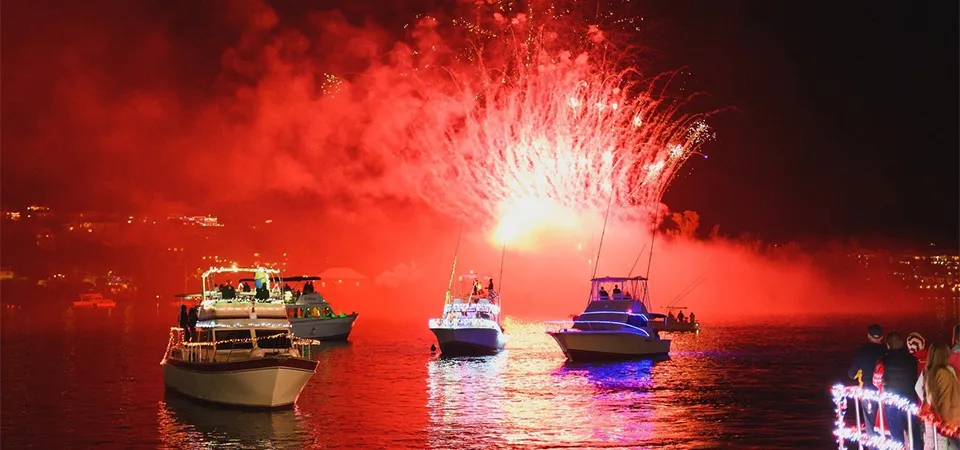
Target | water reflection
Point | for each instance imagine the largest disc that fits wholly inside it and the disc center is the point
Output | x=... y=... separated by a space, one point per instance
x=185 y=423
x=465 y=397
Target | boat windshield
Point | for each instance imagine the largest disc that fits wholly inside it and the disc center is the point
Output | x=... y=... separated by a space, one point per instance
x=609 y=305
x=226 y=339
x=269 y=339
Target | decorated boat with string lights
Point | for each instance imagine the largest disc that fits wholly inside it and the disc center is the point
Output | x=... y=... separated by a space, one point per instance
x=242 y=352
x=614 y=325
x=309 y=313
x=470 y=324
x=850 y=429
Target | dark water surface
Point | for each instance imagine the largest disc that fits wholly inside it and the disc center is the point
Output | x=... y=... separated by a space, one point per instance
x=84 y=378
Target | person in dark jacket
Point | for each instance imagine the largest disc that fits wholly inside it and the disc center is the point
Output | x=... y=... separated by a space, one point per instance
x=192 y=319
x=864 y=361
x=900 y=377
x=184 y=322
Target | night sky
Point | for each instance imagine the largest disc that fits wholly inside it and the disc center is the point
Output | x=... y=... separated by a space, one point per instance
x=845 y=119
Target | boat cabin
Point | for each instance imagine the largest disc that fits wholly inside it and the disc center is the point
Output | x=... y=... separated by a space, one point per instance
x=218 y=283
x=613 y=303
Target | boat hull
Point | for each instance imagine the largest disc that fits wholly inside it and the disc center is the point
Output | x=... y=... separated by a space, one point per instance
x=605 y=345
x=334 y=329
x=675 y=326
x=257 y=383
x=469 y=341
x=107 y=304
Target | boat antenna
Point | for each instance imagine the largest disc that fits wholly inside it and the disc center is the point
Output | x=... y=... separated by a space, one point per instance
x=656 y=223
x=503 y=253
x=686 y=291
x=596 y=262
x=453 y=269
x=636 y=261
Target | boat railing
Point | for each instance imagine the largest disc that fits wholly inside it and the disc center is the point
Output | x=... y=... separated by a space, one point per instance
x=842 y=396
x=593 y=325
x=178 y=347
x=463 y=322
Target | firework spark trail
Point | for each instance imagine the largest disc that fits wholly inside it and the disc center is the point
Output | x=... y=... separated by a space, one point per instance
x=542 y=125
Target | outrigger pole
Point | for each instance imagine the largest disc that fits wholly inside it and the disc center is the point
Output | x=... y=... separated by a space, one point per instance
x=453 y=270
x=596 y=262
x=636 y=260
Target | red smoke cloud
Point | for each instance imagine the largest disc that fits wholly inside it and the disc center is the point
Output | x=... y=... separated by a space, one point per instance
x=240 y=106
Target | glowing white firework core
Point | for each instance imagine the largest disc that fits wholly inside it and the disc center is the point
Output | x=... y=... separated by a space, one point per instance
x=518 y=151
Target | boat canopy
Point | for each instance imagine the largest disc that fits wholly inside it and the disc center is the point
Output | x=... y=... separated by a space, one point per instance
x=293 y=279
x=474 y=276
x=609 y=279
x=628 y=289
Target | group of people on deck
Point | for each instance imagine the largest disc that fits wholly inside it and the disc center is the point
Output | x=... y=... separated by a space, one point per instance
x=617 y=293
x=229 y=292
x=680 y=317
x=910 y=369
x=478 y=289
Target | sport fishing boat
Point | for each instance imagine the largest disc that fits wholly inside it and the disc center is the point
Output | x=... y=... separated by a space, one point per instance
x=613 y=325
x=670 y=323
x=243 y=352
x=470 y=324
x=94 y=300
x=309 y=313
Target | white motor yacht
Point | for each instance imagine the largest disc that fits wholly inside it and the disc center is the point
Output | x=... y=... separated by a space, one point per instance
x=470 y=324
x=309 y=313
x=243 y=352
x=614 y=324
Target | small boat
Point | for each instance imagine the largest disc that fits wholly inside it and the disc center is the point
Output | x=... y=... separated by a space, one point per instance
x=669 y=323
x=612 y=326
x=310 y=315
x=243 y=353
x=94 y=300
x=470 y=324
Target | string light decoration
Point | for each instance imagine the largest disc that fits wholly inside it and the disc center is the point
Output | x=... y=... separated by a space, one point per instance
x=176 y=340
x=841 y=395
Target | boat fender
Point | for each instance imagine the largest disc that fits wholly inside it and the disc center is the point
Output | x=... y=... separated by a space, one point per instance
x=257 y=353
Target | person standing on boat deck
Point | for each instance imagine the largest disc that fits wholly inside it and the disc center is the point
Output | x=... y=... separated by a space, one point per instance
x=955 y=351
x=192 y=319
x=490 y=286
x=680 y=317
x=692 y=317
x=864 y=361
x=900 y=377
x=616 y=291
x=942 y=394
x=185 y=322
